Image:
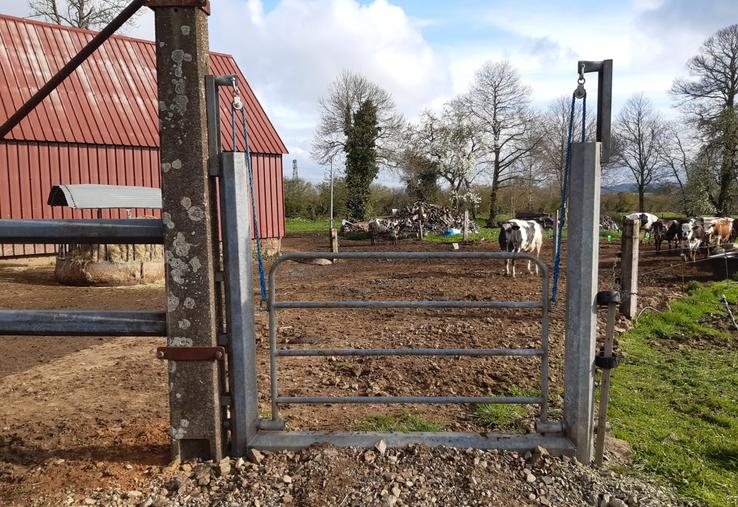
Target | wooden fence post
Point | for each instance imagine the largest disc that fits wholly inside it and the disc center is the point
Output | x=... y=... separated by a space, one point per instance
x=629 y=267
x=466 y=225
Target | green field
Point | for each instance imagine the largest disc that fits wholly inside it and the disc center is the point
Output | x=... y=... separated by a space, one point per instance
x=675 y=400
x=297 y=225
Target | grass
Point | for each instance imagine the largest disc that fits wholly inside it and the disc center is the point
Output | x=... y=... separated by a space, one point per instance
x=484 y=234
x=294 y=225
x=614 y=235
x=504 y=416
x=402 y=422
x=676 y=402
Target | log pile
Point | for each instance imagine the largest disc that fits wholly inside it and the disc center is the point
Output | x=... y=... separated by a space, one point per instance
x=407 y=221
x=608 y=224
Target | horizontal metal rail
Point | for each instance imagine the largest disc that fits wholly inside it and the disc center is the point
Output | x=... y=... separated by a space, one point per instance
x=144 y=231
x=406 y=304
x=81 y=323
x=407 y=352
x=511 y=400
x=542 y=303
x=295 y=440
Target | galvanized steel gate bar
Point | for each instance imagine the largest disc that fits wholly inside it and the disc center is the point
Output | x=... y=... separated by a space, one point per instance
x=274 y=306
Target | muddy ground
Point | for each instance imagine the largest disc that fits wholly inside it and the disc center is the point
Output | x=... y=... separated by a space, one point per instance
x=80 y=413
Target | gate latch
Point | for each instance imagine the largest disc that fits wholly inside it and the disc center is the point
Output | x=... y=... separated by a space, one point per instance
x=191 y=353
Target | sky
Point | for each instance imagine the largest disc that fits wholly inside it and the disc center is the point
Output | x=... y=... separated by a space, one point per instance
x=426 y=51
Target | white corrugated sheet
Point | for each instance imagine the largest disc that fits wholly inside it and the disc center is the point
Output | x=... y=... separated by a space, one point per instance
x=104 y=196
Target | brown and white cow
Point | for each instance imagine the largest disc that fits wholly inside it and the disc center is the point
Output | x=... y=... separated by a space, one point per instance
x=719 y=231
x=673 y=233
x=520 y=236
x=381 y=229
x=658 y=229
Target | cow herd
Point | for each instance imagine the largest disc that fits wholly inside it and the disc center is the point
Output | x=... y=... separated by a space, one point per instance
x=689 y=234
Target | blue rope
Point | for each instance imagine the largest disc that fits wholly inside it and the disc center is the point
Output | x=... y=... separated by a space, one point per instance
x=584 y=117
x=562 y=209
x=259 y=258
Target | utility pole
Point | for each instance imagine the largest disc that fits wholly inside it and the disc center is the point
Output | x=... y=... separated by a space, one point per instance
x=294 y=170
x=181 y=66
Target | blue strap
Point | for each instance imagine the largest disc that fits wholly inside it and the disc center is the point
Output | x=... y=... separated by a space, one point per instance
x=259 y=258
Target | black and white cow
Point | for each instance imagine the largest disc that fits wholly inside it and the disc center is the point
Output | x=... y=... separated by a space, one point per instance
x=646 y=219
x=520 y=236
x=693 y=234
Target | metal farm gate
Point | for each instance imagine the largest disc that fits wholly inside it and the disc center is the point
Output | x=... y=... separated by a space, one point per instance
x=272 y=435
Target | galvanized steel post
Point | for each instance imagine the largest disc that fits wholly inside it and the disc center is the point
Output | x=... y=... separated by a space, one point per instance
x=237 y=257
x=581 y=308
x=182 y=64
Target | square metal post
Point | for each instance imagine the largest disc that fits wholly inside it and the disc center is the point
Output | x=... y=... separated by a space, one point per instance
x=194 y=386
x=236 y=229
x=581 y=309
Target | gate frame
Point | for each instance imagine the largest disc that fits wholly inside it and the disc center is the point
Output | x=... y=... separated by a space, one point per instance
x=268 y=434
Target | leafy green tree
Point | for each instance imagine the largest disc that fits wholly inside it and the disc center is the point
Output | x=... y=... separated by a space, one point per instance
x=420 y=175
x=361 y=132
x=300 y=199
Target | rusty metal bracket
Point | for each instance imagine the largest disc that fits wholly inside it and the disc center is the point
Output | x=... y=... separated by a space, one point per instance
x=191 y=353
x=203 y=4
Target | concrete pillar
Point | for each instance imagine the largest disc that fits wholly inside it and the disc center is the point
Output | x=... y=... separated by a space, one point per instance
x=629 y=267
x=182 y=63
x=581 y=284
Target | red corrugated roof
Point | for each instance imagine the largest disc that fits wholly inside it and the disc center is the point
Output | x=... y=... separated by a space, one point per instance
x=111 y=99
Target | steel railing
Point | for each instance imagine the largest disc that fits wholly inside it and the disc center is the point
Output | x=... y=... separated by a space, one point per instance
x=81 y=323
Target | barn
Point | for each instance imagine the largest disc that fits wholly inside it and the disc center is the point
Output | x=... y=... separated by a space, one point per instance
x=101 y=126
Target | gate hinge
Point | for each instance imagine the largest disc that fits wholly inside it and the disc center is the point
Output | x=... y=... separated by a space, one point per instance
x=191 y=353
x=203 y=4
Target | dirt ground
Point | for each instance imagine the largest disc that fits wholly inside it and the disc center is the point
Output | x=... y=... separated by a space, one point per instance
x=80 y=413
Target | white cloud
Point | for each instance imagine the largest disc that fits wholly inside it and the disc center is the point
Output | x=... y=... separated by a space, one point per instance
x=292 y=53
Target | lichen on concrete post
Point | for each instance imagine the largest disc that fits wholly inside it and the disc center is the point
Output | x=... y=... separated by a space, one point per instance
x=182 y=63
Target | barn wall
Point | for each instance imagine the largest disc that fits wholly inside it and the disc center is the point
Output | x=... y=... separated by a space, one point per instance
x=29 y=169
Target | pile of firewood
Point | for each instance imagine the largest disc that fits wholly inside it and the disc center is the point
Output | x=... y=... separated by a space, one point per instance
x=608 y=224
x=406 y=222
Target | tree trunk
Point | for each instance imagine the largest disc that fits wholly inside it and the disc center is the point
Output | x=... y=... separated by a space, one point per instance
x=641 y=198
x=492 y=220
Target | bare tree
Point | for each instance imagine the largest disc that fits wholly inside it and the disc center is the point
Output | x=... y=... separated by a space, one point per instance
x=708 y=99
x=498 y=103
x=453 y=143
x=675 y=149
x=639 y=131
x=87 y=14
x=345 y=96
x=554 y=136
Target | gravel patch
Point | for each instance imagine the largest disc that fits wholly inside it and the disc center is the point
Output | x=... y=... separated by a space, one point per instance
x=412 y=476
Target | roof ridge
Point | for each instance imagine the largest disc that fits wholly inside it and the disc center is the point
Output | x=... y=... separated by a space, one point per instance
x=68 y=28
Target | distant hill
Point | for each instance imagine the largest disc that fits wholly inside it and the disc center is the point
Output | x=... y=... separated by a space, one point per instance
x=619 y=187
